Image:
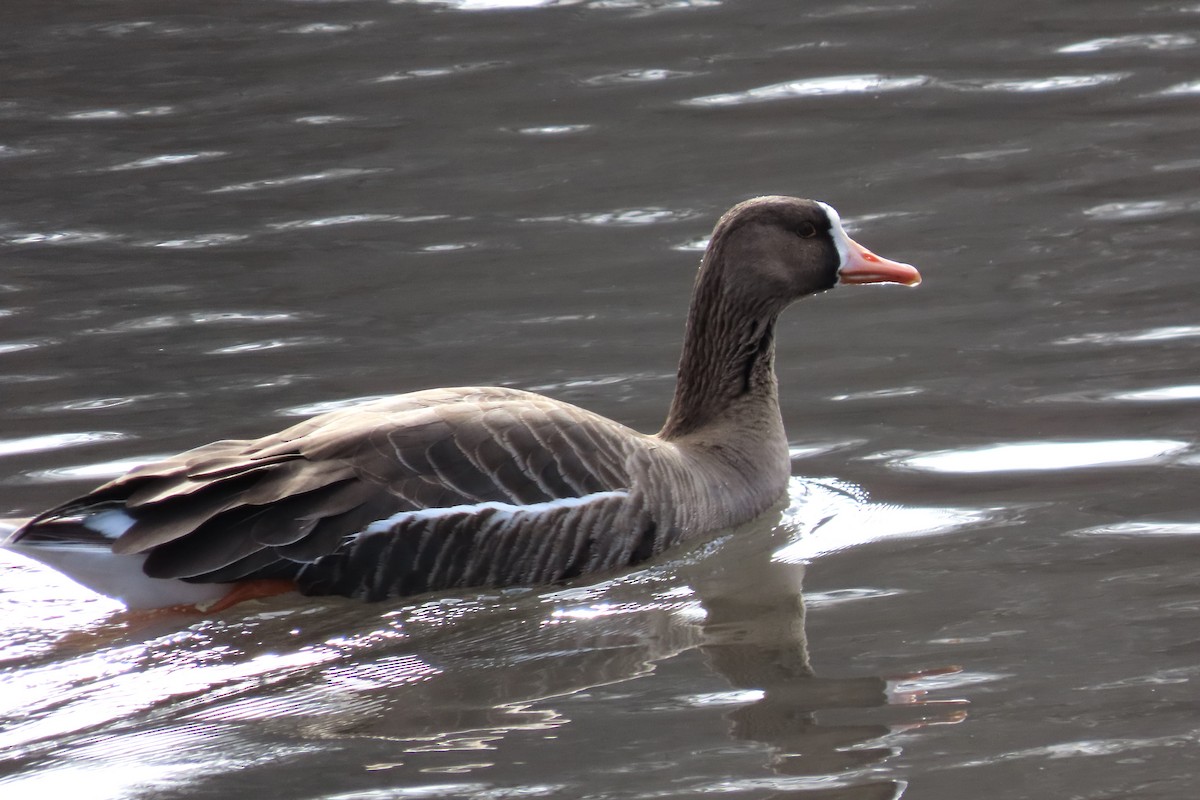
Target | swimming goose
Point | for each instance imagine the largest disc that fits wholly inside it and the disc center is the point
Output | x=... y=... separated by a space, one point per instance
x=477 y=487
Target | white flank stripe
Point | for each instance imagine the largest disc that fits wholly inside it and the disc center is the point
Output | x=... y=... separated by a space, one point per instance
x=110 y=524
x=503 y=509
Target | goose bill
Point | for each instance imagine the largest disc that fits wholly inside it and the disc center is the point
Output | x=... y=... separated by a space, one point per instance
x=860 y=265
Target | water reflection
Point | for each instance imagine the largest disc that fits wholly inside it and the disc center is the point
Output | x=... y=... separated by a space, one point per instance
x=1139 y=529
x=1137 y=209
x=1162 y=334
x=1190 y=87
x=55 y=441
x=1133 y=41
x=93 y=472
x=1040 y=456
x=212 y=317
x=624 y=216
x=636 y=76
x=168 y=159
x=270 y=344
x=118 y=113
x=354 y=219
x=849 y=85
x=68 y=237
x=1164 y=394
x=1053 y=83
x=436 y=72
x=553 y=130
x=197 y=241
x=339 y=173
x=433 y=687
x=498 y=5
x=814 y=87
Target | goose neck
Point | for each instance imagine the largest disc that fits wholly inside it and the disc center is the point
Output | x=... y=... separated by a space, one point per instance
x=726 y=378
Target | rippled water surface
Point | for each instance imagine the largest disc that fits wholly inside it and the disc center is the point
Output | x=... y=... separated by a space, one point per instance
x=216 y=218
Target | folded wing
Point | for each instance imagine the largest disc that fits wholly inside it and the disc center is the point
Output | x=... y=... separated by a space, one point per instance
x=433 y=490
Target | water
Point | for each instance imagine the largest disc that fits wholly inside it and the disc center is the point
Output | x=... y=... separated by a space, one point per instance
x=215 y=220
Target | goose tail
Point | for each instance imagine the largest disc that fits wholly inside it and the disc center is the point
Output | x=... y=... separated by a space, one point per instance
x=90 y=562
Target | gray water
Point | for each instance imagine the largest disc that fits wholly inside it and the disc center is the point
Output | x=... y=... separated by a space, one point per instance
x=216 y=218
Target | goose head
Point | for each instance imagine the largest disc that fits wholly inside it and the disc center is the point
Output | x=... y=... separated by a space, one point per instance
x=764 y=254
x=785 y=248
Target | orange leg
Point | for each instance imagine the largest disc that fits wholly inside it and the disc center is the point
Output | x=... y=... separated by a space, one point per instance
x=249 y=590
x=141 y=622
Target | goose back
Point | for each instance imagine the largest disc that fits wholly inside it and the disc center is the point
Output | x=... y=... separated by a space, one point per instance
x=433 y=490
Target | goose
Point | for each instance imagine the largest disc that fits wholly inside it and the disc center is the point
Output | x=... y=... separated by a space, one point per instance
x=476 y=487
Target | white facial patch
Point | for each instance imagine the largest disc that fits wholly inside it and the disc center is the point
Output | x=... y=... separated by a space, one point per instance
x=841 y=240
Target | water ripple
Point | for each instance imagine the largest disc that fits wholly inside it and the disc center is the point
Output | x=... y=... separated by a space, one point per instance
x=312 y=409
x=897 y=391
x=849 y=595
x=625 y=216
x=1164 y=334
x=7 y=151
x=323 y=119
x=161 y=321
x=198 y=241
x=292 y=180
x=55 y=441
x=987 y=155
x=655 y=5
x=1191 y=87
x=1143 y=529
x=448 y=247
x=119 y=113
x=602 y=380
x=101 y=471
x=271 y=344
x=353 y=219
x=831 y=516
x=692 y=245
x=500 y=5
x=99 y=403
x=1047 y=84
x=1138 y=209
x=330 y=27
x=167 y=159
x=1090 y=747
x=16 y=347
x=1045 y=456
x=492 y=5
x=1162 y=394
x=636 y=76
x=66 y=237
x=1157 y=394
x=553 y=130
x=814 y=87
x=438 y=72
x=1138 y=41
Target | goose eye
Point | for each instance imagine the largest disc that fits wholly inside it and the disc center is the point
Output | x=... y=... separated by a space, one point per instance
x=807 y=230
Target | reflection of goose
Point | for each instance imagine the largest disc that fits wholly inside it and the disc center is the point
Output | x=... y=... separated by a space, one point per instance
x=754 y=638
x=479 y=486
x=646 y=651
x=646 y=661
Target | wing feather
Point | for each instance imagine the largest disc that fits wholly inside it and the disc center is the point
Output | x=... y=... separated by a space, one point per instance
x=472 y=476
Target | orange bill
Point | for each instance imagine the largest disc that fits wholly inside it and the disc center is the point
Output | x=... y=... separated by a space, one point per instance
x=860 y=265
